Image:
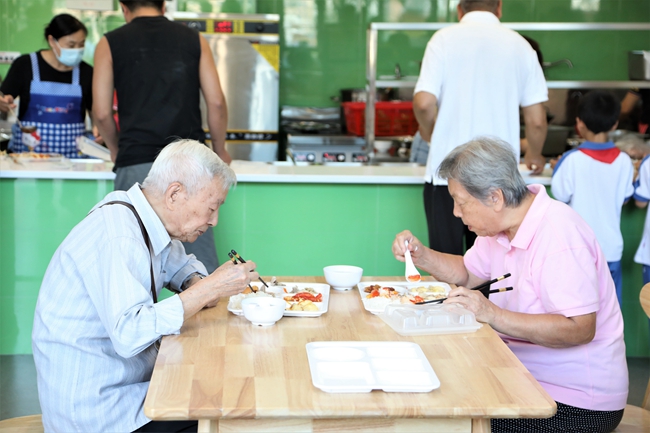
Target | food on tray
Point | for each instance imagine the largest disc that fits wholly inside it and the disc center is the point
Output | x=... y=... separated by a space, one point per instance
x=304 y=305
x=235 y=301
x=428 y=293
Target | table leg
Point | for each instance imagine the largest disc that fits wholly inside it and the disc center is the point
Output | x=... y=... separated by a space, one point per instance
x=481 y=425
x=208 y=426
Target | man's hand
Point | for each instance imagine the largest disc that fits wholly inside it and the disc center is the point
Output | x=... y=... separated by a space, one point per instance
x=230 y=279
x=534 y=162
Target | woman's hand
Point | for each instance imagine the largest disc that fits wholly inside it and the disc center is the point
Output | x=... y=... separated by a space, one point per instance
x=474 y=301
x=6 y=103
x=415 y=246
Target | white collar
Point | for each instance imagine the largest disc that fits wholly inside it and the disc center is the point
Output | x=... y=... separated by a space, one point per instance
x=482 y=17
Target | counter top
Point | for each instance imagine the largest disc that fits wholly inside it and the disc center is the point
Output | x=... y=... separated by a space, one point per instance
x=247 y=172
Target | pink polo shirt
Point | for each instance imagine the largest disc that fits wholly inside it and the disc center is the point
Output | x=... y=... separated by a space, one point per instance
x=557 y=267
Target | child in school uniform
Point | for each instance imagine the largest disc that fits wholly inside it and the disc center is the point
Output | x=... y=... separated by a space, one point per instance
x=596 y=178
x=641 y=199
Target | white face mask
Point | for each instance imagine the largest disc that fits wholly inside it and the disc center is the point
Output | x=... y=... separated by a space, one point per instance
x=69 y=56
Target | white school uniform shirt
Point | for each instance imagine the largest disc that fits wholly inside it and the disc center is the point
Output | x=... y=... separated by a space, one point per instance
x=642 y=193
x=595 y=179
x=96 y=323
x=481 y=73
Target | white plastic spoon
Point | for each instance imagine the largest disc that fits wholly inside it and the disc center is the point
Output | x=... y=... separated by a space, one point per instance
x=412 y=274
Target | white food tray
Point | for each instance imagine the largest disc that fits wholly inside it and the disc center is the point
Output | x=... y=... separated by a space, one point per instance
x=361 y=366
x=401 y=287
x=429 y=319
x=90 y=148
x=320 y=288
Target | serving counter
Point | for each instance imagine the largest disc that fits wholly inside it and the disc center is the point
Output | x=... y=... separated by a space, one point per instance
x=290 y=220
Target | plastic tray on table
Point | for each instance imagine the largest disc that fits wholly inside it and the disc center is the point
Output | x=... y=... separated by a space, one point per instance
x=429 y=319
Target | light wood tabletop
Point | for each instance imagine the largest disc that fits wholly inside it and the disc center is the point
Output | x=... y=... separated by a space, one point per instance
x=233 y=376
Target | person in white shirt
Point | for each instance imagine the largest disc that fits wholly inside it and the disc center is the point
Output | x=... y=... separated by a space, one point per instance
x=596 y=178
x=98 y=323
x=475 y=76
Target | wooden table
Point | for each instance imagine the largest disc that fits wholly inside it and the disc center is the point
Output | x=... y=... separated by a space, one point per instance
x=232 y=376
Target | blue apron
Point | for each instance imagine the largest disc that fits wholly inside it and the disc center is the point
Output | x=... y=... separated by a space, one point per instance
x=55 y=110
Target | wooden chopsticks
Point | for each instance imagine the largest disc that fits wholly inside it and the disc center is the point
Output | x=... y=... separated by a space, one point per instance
x=234 y=257
x=479 y=287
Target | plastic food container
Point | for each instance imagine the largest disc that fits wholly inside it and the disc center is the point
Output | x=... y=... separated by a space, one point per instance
x=361 y=366
x=429 y=319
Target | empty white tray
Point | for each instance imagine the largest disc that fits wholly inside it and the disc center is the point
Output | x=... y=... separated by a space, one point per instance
x=361 y=366
x=429 y=319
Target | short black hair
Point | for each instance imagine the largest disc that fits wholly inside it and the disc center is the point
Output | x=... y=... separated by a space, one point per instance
x=64 y=25
x=599 y=110
x=136 y=4
x=479 y=5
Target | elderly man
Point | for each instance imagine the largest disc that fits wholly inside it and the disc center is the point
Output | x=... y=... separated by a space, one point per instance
x=562 y=320
x=98 y=323
x=475 y=75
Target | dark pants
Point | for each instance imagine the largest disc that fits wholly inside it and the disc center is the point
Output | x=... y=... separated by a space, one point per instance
x=169 y=427
x=446 y=232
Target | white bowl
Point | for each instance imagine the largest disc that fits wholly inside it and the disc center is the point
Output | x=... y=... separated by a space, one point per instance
x=382 y=146
x=263 y=311
x=342 y=277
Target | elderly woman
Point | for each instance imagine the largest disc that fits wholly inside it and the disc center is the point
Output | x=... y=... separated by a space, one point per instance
x=562 y=319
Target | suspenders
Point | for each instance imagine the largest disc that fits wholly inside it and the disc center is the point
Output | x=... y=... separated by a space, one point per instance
x=147 y=241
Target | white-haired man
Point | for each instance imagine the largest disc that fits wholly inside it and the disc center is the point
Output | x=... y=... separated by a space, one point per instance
x=97 y=320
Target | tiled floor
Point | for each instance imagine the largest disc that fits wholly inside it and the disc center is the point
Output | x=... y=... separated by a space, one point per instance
x=19 y=395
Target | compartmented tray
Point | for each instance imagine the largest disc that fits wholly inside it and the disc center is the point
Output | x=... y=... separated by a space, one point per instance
x=361 y=366
x=278 y=292
x=429 y=319
x=377 y=305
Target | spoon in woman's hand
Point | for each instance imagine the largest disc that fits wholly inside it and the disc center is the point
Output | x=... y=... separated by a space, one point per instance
x=412 y=274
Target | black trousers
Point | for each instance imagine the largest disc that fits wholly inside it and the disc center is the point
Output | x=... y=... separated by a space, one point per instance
x=446 y=232
x=169 y=427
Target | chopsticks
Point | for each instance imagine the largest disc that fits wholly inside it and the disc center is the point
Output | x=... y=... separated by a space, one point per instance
x=234 y=260
x=479 y=287
x=234 y=253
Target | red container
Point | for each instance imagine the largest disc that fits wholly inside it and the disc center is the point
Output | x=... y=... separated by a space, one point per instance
x=391 y=118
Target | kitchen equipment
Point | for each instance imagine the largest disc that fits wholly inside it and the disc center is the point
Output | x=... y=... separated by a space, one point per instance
x=556 y=139
x=412 y=275
x=342 y=277
x=246 y=51
x=361 y=366
x=327 y=148
x=638 y=65
x=392 y=118
x=90 y=148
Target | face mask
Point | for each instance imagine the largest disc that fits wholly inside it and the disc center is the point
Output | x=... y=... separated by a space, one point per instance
x=69 y=56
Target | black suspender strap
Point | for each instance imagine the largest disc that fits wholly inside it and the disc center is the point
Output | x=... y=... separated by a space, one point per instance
x=147 y=241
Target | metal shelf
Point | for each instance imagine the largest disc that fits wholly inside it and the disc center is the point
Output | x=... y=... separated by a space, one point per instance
x=409 y=82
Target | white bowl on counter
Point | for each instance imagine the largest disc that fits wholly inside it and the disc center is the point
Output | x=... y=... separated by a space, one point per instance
x=342 y=277
x=263 y=311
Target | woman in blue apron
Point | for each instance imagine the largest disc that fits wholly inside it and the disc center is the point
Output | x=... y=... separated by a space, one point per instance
x=55 y=90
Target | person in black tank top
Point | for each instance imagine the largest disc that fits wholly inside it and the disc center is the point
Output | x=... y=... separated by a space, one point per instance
x=158 y=69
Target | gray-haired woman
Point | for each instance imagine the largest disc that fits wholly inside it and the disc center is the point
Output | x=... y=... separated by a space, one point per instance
x=562 y=319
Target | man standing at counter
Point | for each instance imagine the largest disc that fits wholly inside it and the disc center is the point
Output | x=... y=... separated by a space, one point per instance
x=158 y=69
x=97 y=321
x=475 y=75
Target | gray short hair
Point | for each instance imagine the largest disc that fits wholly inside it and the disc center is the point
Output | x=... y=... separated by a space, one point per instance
x=190 y=163
x=479 y=5
x=483 y=166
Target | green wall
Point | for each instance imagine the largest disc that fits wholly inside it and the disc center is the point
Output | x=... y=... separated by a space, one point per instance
x=323 y=42
x=287 y=229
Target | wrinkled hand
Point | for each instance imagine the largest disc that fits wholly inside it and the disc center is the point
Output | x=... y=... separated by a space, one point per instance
x=230 y=279
x=6 y=103
x=415 y=247
x=534 y=162
x=474 y=301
